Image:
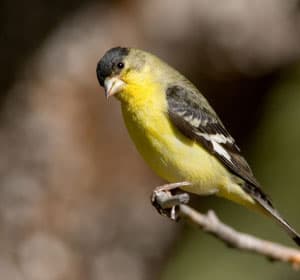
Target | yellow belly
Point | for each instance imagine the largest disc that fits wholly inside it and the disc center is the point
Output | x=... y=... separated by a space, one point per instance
x=173 y=156
x=169 y=153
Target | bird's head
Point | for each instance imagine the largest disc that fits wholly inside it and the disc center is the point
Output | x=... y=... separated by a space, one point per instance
x=110 y=70
x=122 y=68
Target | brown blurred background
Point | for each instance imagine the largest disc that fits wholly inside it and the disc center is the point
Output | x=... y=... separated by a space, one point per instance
x=74 y=193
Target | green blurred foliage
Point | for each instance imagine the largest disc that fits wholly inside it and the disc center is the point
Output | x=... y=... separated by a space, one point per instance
x=274 y=152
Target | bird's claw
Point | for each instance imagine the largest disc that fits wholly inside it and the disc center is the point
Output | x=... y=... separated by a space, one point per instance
x=167 y=204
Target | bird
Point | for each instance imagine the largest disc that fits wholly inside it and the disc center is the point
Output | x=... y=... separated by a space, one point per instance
x=178 y=133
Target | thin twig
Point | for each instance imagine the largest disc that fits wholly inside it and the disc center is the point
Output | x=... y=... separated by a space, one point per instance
x=211 y=224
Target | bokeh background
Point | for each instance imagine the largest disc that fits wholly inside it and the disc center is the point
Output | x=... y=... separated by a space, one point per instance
x=74 y=193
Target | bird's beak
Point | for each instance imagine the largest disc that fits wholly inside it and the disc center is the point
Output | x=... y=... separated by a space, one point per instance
x=112 y=86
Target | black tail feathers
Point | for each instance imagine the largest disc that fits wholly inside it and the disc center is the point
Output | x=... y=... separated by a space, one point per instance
x=271 y=211
x=297 y=240
x=290 y=231
x=263 y=200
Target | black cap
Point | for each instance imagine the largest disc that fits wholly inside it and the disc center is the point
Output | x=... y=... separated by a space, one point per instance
x=107 y=64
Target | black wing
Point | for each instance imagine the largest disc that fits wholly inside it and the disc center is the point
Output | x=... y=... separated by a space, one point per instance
x=192 y=115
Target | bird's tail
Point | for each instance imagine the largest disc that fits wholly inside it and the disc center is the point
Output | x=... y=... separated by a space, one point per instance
x=264 y=202
x=271 y=211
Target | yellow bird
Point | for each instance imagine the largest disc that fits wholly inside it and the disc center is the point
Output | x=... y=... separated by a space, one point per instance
x=177 y=132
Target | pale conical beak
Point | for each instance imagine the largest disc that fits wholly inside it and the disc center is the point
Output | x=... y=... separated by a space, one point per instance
x=112 y=86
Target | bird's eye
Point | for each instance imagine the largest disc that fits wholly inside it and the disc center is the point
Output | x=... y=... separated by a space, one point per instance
x=120 y=65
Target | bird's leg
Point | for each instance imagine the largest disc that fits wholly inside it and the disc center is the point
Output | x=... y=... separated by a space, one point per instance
x=166 y=202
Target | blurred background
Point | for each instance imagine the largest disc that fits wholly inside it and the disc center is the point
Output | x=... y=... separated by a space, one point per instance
x=74 y=193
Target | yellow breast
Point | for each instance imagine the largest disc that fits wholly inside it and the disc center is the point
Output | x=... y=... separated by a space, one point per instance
x=169 y=153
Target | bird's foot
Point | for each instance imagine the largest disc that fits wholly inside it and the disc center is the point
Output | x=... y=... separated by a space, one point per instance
x=166 y=199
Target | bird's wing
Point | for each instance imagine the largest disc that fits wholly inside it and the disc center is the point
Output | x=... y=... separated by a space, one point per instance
x=191 y=114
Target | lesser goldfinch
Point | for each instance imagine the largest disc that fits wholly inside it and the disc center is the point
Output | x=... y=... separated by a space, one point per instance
x=177 y=132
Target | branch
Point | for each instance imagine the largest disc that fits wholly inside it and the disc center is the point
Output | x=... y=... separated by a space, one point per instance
x=211 y=224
